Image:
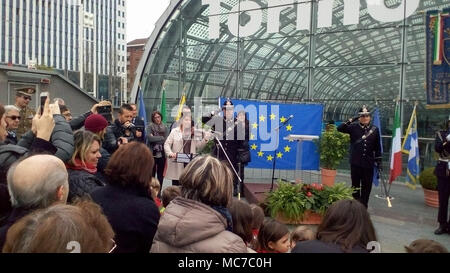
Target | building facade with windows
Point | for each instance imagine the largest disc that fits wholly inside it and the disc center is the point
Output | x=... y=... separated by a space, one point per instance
x=342 y=54
x=84 y=40
x=135 y=51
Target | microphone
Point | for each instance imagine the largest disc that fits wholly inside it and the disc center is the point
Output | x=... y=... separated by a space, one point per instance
x=290 y=117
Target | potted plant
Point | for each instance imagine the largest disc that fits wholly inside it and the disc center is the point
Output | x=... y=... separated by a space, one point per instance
x=428 y=180
x=332 y=147
x=304 y=203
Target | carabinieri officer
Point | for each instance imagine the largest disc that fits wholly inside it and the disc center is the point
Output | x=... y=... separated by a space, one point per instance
x=365 y=152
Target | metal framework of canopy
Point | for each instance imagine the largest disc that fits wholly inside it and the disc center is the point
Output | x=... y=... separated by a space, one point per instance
x=341 y=66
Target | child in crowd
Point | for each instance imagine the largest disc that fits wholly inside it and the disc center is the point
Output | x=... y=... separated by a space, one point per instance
x=257 y=221
x=168 y=195
x=425 y=246
x=242 y=217
x=273 y=237
x=302 y=233
x=154 y=190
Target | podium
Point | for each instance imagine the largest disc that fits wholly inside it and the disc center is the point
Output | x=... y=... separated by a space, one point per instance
x=300 y=139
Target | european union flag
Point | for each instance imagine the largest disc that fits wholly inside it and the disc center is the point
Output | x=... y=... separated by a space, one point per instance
x=268 y=144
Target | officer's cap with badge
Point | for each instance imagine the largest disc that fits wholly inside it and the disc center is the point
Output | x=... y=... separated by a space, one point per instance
x=227 y=104
x=364 y=111
x=25 y=91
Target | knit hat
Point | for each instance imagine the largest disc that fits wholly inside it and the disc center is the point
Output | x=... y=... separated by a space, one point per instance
x=95 y=123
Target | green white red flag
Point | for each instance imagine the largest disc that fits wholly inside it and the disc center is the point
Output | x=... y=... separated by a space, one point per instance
x=396 y=151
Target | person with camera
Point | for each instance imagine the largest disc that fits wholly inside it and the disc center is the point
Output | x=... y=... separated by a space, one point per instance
x=121 y=131
x=365 y=151
x=139 y=124
x=103 y=108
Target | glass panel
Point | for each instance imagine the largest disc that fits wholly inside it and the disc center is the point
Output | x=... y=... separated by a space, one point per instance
x=342 y=89
x=211 y=57
x=374 y=46
x=288 y=52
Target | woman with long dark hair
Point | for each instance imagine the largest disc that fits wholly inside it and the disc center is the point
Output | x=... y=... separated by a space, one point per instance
x=346 y=227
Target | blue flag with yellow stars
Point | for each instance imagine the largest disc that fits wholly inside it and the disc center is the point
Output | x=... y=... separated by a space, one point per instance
x=268 y=144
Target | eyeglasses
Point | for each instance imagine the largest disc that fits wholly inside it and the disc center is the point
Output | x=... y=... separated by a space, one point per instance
x=364 y=116
x=26 y=97
x=14 y=117
x=67 y=114
x=113 y=247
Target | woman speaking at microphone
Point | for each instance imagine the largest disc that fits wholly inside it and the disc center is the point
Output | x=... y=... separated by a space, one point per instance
x=182 y=140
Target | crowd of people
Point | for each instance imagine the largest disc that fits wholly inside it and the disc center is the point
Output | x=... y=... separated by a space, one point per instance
x=94 y=184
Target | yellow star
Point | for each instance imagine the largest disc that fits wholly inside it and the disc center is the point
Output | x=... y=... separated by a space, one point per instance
x=272 y=116
x=262 y=118
x=255 y=125
x=252 y=137
x=254 y=147
x=289 y=128
x=270 y=158
x=287 y=149
x=260 y=154
x=280 y=155
x=283 y=119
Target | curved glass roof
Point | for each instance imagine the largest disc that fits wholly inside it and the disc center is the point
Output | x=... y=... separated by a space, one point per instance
x=341 y=66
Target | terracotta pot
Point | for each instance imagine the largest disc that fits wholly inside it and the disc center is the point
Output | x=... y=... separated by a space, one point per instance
x=431 y=198
x=328 y=177
x=309 y=218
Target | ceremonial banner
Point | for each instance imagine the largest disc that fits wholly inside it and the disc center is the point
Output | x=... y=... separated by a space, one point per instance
x=438 y=57
x=266 y=145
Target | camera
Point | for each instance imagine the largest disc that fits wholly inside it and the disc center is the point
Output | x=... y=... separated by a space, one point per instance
x=106 y=109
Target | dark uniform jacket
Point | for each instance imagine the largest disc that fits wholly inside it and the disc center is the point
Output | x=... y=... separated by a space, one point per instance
x=442 y=147
x=229 y=139
x=363 y=152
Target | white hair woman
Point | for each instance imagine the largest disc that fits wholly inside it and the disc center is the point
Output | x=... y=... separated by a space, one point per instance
x=199 y=221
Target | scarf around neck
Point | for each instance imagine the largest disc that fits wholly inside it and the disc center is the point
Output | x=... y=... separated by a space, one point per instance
x=226 y=214
x=80 y=166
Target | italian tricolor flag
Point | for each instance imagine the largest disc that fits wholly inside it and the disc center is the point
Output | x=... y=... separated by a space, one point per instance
x=396 y=152
x=439 y=38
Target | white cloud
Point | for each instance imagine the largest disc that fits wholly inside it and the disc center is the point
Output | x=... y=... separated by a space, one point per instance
x=142 y=16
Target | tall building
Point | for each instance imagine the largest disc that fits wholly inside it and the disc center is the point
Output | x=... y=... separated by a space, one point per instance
x=135 y=50
x=84 y=40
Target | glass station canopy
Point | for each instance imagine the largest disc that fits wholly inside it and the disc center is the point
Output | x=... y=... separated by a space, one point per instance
x=295 y=51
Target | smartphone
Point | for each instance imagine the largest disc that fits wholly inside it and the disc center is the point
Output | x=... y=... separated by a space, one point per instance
x=43 y=96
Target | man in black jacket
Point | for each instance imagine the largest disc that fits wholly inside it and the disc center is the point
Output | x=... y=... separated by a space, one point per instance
x=365 y=152
x=121 y=131
x=442 y=171
x=139 y=124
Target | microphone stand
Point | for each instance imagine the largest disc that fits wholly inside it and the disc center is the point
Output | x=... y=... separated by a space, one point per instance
x=276 y=150
x=275 y=157
x=229 y=161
